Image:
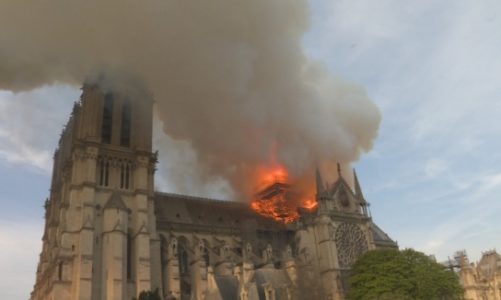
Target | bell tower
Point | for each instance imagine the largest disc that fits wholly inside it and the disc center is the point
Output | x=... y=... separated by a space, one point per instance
x=100 y=239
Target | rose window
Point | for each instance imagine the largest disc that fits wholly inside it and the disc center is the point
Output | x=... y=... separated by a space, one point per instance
x=351 y=244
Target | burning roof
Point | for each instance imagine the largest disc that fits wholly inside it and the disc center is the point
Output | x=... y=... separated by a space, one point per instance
x=278 y=200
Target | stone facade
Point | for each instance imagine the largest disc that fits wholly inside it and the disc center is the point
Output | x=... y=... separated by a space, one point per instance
x=481 y=281
x=109 y=235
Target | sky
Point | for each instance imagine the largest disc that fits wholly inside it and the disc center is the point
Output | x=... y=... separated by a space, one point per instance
x=433 y=177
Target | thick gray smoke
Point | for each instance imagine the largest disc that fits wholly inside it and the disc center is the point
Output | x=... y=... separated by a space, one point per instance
x=230 y=78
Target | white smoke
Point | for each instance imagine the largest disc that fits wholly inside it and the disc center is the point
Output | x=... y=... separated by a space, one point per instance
x=229 y=77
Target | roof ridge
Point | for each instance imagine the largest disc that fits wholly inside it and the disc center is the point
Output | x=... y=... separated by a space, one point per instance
x=200 y=199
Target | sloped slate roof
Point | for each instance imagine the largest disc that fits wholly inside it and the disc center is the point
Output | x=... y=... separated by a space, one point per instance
x=172 y=209
x=381 y=238
x=181 y=212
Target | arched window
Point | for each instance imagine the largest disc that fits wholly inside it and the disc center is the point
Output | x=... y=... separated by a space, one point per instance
x=106 y=173
x=129 y=256
x=126 y=123
x=125 y=175
x=183 y=261
x=343 y=198
x=184 y=268
x=107 y=122
x=103 y=172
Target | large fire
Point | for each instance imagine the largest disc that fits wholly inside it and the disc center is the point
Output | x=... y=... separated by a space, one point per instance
x=275 y=197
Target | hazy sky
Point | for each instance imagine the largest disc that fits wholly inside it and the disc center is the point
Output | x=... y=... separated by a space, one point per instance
x=434 y=175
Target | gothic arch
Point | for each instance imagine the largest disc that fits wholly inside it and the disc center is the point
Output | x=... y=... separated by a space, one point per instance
x=206 y=253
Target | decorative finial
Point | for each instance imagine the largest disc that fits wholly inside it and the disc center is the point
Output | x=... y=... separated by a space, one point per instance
x=339 y=169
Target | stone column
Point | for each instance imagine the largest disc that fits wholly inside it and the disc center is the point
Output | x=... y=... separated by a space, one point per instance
x=85 y=167
x=289 y=266
x=142 y=226
x=115 y=253
x=197 y=271
x=171 y=284
x=327 y=257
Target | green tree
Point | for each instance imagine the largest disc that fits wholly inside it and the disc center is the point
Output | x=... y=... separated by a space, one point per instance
x=149 y=295
x=408 y=274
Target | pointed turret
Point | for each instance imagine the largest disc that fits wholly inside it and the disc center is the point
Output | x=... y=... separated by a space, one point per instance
x=360 y=196
x=358 y=189
x=320 y=185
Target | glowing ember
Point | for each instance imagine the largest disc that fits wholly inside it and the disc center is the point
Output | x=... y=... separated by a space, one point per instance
x=275 y=199
x=310 y=204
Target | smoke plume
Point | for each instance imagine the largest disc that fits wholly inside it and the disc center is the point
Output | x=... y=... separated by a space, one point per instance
x=229 y=77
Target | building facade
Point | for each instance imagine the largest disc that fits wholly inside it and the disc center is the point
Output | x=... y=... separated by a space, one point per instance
x=109 y=235
x=481 y=281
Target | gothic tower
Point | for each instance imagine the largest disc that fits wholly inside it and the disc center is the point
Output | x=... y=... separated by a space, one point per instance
x=100 y=239
x=335 y=235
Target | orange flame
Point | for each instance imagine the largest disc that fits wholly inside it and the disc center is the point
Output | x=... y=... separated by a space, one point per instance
x=310 y=204
x=267 y=176
x=274 y=198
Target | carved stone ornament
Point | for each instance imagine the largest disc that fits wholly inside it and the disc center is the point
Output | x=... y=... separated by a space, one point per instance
x=343 y=198
x=351 y=243
x=172 y=248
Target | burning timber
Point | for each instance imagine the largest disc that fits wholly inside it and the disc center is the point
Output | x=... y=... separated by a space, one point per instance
x=109 y=235
x=274 y=202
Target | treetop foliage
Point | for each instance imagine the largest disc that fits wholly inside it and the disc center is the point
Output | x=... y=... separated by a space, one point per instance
x=392 y=274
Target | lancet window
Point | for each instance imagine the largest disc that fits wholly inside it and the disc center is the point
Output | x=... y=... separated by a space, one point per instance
x=125 y=174
x=126 y=123
x=183 y=261
x=107 y=121
x=103 y=172
x=129 y=256
x=184 y=271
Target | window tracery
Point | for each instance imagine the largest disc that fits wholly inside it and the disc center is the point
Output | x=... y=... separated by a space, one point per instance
x=351 y=243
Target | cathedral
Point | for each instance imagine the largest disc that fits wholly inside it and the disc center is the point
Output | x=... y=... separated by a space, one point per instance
x=109 y=235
